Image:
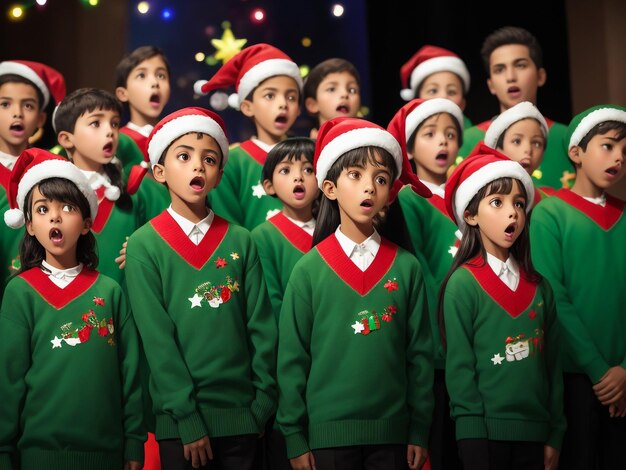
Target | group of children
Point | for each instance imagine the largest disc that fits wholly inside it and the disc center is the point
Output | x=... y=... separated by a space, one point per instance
x=365 y=299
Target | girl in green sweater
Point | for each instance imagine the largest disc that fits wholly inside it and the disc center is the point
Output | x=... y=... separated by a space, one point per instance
x=498 y=322
x=355 y=354
x=69 y=379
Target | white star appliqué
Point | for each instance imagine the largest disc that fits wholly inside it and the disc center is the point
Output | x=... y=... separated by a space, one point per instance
x=358 y=327
x=195 y=300
x=271 y=213
x=497 y=359
x=453 y=249
x=258 y=191
x=56 y=342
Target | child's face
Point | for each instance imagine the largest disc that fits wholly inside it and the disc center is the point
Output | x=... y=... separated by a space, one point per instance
x=94 y=140
x=601 y=165
x=274 y=107
x=435 y=148
x=294 y=183
x=524 y=143
x=500 y=219
x=338 y=94
x=191 y=169
x=57 y=226
x=513 y=76
x=446 y=85
x=147 y=91
x=20 y=116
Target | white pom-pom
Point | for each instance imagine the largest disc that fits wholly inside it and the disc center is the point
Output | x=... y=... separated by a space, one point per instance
x=14 y=218
x=197 y=87
x=112 y=193
x=407 y=94
x=219 y=101
x=233 y=101
x=144 y=164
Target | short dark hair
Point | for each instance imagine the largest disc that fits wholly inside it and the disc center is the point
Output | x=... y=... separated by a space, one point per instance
x=511 y=35
x=601 y=129
x=133 y=59
x=13 y=78
x=81 y=101
x=321 y=70
x=292 y=148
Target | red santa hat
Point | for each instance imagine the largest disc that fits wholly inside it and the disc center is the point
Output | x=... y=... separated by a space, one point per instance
x=182 y=122
x=425 y=62
x=33 y=166
x=48 y=80
x=246 y=70
x=523 y=110
x=477 y=171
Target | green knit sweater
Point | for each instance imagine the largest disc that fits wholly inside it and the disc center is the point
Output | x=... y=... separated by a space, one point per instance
x=355 y=351
x=9 y=239
x=503 y=369
x=240 y=197
x=207 y=329
x=71 y=397
x=579 y=247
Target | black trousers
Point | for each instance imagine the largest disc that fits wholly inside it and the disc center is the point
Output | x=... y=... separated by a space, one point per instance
x=593 y=440
x=229 y=453
x=442 y=447
x=373 y=457
x=483 y=454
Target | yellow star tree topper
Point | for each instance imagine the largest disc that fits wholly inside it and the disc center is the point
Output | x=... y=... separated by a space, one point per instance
x=228 y=46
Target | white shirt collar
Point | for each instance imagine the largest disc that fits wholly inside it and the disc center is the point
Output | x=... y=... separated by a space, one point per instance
x=308 y=226
x=61 y=277
x=195 y=232
x=95 y=179
x=600 y=201
x=501 y=268
x=143 y=130
x=7 y=160
x=263 y=145
x=435 y=188
x=370 y=244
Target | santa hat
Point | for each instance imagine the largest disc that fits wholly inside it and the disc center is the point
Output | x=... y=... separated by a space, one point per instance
x=523 y=110
x=33 y=166
x=48 y=80
x=425 y=62
x=182 y=122
x=477 y=171
x=246 y=70
x=588 y=119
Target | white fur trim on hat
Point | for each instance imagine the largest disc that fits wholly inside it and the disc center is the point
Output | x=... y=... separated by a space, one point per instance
x=440 y=64
x=356 y=138
x=25 y=71
x=197 y=87
x=592 y=119
x=266 y=69
x=427 y=109
x=182 y=125
x=485 y=175
x=407 y=94
x=523 y=110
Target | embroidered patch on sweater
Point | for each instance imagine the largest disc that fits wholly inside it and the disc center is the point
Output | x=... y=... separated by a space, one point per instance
x=73 y=335
x=520 y=346
x=214 y=295
x=368 y=322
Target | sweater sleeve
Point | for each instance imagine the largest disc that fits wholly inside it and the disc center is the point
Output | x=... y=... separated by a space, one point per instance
x=267 y=256
x=294 y=362
x=466 y=404
x=420 y=364
x=158 y=335
x=547 y=255
x=225 y=199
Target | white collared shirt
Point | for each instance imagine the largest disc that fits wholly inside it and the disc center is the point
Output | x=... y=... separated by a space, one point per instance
x=508 y=272
x=435 y=188
x=195 y=232
x=308 y=226
x=143 y=130
x=599 y=201
x=361 y=254
x=7 y=160
x=61 y=277
x=263 y=145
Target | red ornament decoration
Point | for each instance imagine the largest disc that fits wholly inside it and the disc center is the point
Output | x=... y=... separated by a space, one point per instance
x=98 y=301
x=391 y=285
x=220 y=263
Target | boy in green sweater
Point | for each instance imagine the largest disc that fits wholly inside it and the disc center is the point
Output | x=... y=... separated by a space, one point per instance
x=268 y=86
x=572 y=231
x=198 y=296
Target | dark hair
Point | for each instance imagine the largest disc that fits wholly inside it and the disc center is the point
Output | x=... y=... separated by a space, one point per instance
x=328 y=217
x=133 y=59
x=12 y=78
x=292 y=148
x=32 y=253
x=86 y=100
x=321 y=70
x=457 y=125
x=511 y=35
x=601 y=129
x=472 y=246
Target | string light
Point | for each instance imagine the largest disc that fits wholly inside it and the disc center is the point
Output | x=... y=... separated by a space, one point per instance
x=143 y=7
x=338 y=10
x=258 y=15
x=16 y=13
x=167 y=14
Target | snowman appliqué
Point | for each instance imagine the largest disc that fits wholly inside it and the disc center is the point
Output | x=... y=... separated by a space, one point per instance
x=216 y=294
x=73 y=335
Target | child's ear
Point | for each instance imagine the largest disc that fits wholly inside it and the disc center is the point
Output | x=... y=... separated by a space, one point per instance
x=247 y=108
x=65 y=139
x=542 y=76
x=122 y=94
x=311 y=106
x=158 y=171
x=41 y=120
x=219 y=178
x=86 y=226
x=492 y=90
x=575 y=155
x=470 y=219
x=268 y=186
x=29 y=228
x=330 y=190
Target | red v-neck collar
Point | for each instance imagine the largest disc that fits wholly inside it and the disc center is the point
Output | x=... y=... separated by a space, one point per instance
x=294 y=234
x=361 y=281
x=195 y=255
x=255 y=151
x=514 y=303
x=5 y=177
x=102 y=217
x=52 y=293
x=439 y=203
x=605 y=217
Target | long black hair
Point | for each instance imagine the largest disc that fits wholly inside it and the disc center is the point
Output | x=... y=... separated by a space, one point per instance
x=32 y=253
x=472 y=245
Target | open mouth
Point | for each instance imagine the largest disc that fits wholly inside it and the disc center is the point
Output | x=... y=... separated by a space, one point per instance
x=17 y=127
x=56 y=235
x=108 y=148
x=298 y=190
x=155 y=99
x=510 y=229
x=343 y=109
x=368 y=203
x=613 y=170
x=282 y=119
x=197 y=183
x=442 y=156
x=513 y=89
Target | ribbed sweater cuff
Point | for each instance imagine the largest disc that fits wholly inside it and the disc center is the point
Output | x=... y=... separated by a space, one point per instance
x=191 y=428
x=133 y=450
x=5 y=462
x=555 y=439
x=418 y=436
x=471 y=427
x=296 y=445
x=262 y=408
x=596 y=369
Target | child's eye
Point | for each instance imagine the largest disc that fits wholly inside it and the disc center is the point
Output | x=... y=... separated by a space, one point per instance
x=68 y=208
x=283 y=171
x=516 y=141
x=538 y=144
x=354 y=175
x=353 y=90
x=520 y=204
x=184 y=156
x=95 y=124
x=269 y=96
x=29 y=106
x=608 y=147
x=41 y=209
x=162 y=76
x=292 y=98
x=308 y=171
x=209 y=160
x=4 y=104
x=330 y=89
x=381 y=180
x=451 y=135
x=431 y=91
x=495 y=202
x=141 y=75
x=452 y=93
